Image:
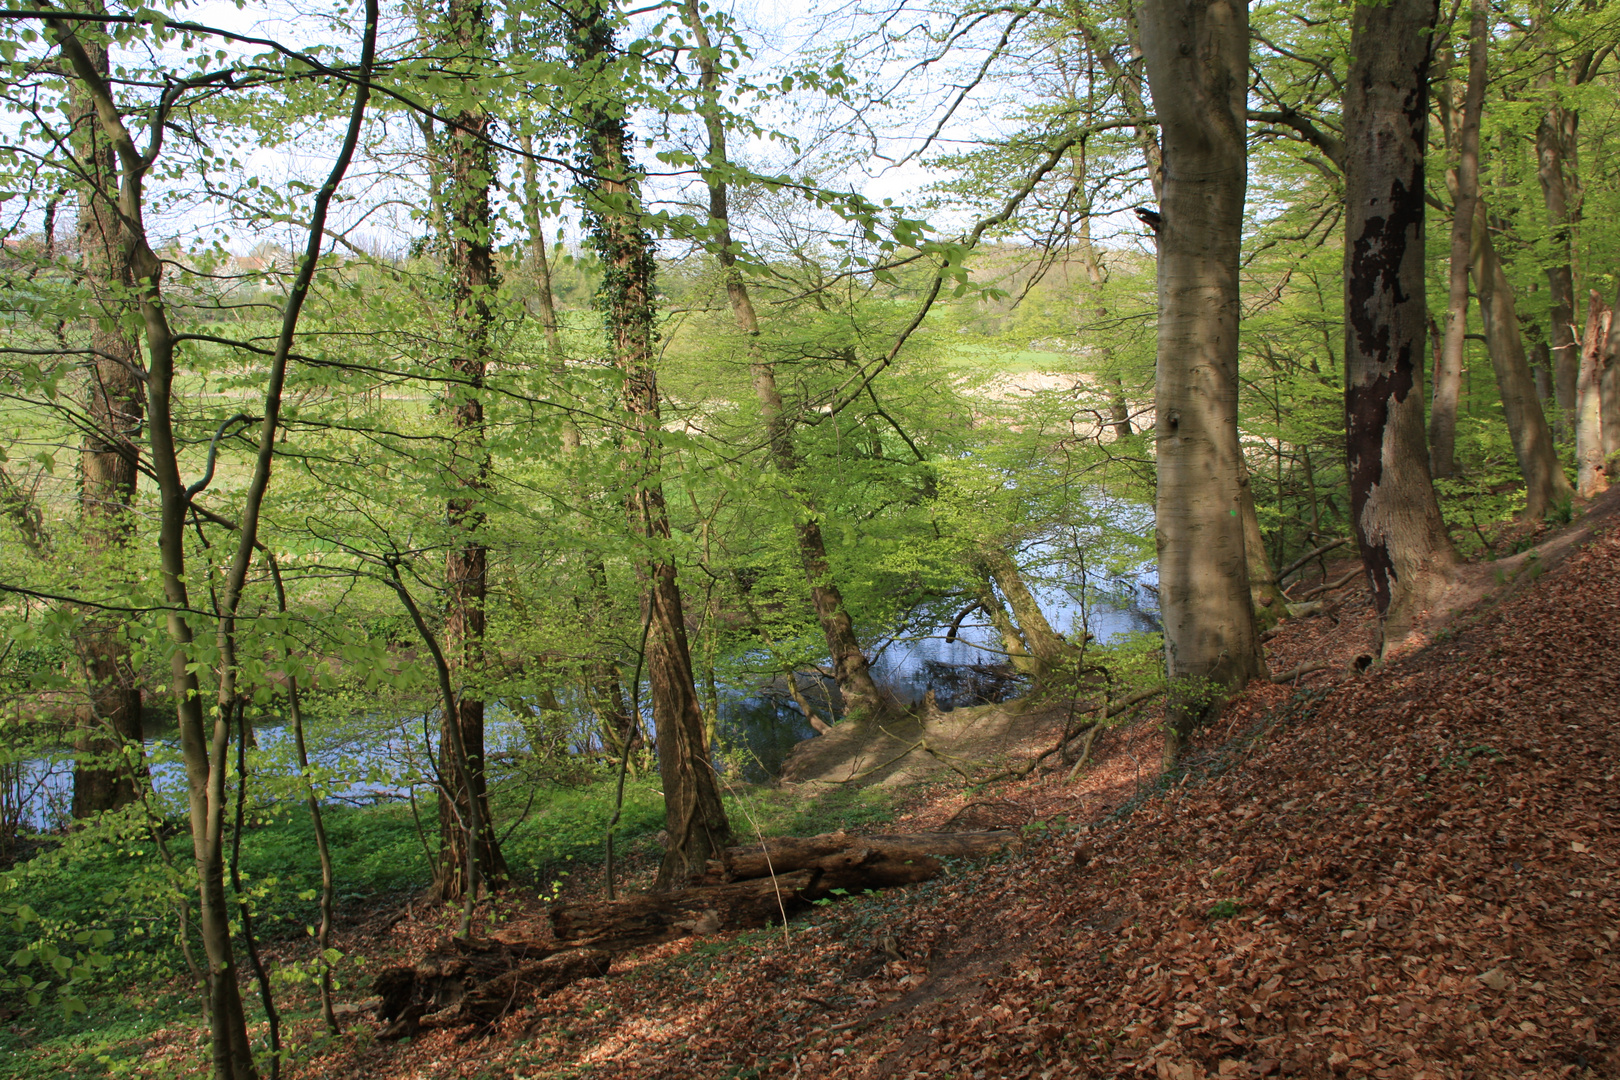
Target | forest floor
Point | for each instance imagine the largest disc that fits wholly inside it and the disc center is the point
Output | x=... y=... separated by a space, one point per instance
x=1398 y=870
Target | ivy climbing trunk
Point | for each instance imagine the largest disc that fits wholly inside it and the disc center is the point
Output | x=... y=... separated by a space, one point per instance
x=695 y=818
x=469 y=252
x=1197 y=54
x=1393 y=508
x=851 y=670
x=103 y=778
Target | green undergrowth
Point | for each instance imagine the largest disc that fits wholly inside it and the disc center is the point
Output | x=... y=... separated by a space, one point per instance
x=112 y=879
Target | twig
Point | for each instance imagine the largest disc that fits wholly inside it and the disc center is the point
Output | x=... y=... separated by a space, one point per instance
x=1303 y=559
x=1332 y=585
x=1304 y=669
x=875 y=768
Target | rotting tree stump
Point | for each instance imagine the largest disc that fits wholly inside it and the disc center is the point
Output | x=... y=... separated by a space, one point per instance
x=477 y=982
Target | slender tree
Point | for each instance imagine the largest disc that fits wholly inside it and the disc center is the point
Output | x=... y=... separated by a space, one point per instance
x=102 y=780
x=1609 y=395
x=1590 y=479
x=1545 y=484
x=469 y=254
x=1396 y=518
x=850 y=668
x=1197 y=55
x=695 y=817
x=1448 y=365
x=1557 y=173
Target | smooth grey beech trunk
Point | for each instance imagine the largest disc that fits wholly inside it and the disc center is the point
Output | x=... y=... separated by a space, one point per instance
x=1545 y=484
x=1590 y=479
x=1566 y=349
x=1449 y=364
x=1197 y=54
x=1393 y=509
x=1609 y=392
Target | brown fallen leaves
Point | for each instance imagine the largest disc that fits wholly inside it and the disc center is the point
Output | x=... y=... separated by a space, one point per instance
x=1408 y=873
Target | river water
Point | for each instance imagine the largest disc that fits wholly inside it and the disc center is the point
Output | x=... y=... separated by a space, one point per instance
x=759 y=722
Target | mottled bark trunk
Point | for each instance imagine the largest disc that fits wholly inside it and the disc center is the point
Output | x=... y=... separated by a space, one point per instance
x=1447 y=378
x=852 y=672
x=695 y=817
x=110 y=727
x=468 y=170
x=1609 y=392
x=1544 y=480
x=1197 y=66
x=1590 y=478
x=1393 y=509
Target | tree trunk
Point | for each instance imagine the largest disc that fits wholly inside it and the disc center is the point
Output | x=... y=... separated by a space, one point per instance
x=634 y=921
x=204 y=751
x=605 y=690
x=467 y=981
x=784 y=854
x=473 y=279
x=1266 y=596
x=1397 y=520
x=1590 y=480
x=102 y=778
x=1050 y=650
x=1448 y=367
x=851 y=670
x=1541 y=371
x=1550 y=171
x=1544 y=480
x=695 y=818
x=1128 y=79
x=1609 y=387
x=1197 y=64
x=1011 y=640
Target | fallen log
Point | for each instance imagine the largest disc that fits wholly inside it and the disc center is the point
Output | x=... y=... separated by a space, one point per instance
x=887 y=860
x=616 y=925
x=477 y=982
x=739 y=889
